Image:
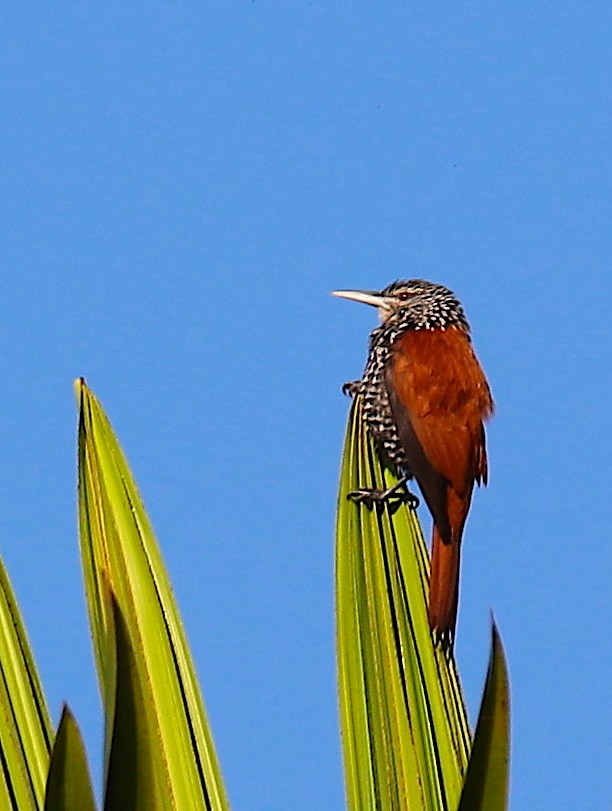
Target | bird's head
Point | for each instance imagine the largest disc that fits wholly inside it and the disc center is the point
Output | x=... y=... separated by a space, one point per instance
x=413 y=304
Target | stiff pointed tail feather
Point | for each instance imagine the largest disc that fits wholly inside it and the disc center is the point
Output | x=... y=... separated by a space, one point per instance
x=445 y=563
x=444 y=587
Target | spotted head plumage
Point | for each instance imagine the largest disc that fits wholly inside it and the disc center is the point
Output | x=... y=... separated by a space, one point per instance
x=419 y=304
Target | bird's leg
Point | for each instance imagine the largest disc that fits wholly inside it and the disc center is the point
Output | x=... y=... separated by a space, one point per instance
x=352 y=388
x=393 y=495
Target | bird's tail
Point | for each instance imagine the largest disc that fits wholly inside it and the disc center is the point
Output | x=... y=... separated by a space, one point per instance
x=445 y=560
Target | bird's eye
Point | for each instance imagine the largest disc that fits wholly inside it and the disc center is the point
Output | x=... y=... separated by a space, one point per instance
x=403 y=295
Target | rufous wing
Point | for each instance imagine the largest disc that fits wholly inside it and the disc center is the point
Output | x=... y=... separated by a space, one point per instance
x=440 y=397
x=440 y=384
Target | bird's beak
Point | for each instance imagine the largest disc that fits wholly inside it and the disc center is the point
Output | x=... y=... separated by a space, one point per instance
x=365 y=297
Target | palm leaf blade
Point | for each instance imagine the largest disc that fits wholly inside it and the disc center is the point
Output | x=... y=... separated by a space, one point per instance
x=26 y=734
x=486 y=784
x=68 y=783
x=121 y=557
x=404 y=725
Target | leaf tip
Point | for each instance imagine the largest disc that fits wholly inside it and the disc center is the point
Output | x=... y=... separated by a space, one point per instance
x=496 y=642
x=80 y=387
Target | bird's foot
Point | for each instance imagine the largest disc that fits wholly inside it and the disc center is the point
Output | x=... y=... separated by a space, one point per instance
x=351 y=388
x=393 y=496
x=445 y=640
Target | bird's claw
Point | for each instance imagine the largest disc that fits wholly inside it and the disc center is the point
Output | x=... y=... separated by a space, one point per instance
x=394 y=496
x=351 y=387
x=445 y=641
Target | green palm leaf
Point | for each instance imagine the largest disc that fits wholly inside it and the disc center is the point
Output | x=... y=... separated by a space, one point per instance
x=131 y=778
x=486 y=784
x=26 y=734
x=69 y=784
x=121 y=557
x=405 y=730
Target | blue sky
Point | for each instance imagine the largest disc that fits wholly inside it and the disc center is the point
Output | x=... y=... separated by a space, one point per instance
x=183 y=185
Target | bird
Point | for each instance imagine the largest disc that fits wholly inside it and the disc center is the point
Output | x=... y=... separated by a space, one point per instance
x=425 y=400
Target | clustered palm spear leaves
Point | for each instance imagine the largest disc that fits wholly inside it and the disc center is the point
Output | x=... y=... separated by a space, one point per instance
x=405 y=733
